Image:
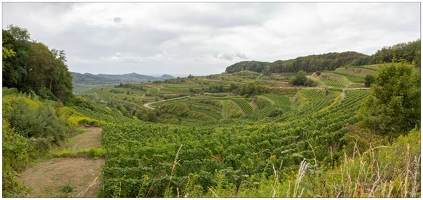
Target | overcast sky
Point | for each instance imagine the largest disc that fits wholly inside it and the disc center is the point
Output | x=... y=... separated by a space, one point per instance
x=205 y=38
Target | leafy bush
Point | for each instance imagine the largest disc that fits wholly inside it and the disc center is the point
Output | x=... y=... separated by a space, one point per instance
x=37 y=122
x=393 y=107
x=252 y=88
x=15 y=158
x=9 y=91
x=276 y=112
x=370 y=79
x=302 y=80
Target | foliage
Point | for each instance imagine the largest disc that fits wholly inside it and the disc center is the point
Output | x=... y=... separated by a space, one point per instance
x=146 y=115
x=229 y=157
x=15 y=158
x=330 y=61
x=215 y=88
x=252 y=89
x=36 y=122
x=276 y=112
x=370 y=79
x=31 y=126
x=75 y=119
x=301 y=79
x=410 y=52
x=14 y=67
x=254 y=66
x=35 y=67
x=7 y=52
x=311 y=63
x=393 y=108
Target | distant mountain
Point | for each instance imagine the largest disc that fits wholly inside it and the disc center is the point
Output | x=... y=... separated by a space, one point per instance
x=167 y=76
x=91 y=79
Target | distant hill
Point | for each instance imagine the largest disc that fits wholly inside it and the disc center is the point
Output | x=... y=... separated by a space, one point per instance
x=90 y=79
x=410 y=52
x=327 y=61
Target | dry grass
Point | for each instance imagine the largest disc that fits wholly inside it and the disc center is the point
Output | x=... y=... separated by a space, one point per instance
x=48 y=178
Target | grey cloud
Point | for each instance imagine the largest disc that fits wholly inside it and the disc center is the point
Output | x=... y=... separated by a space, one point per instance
x=240 y=55
x=227 y=56
x=231 y=56
x=117 y=20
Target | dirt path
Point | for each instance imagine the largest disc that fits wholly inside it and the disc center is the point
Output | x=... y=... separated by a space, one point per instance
x=67 y=177
x=91 y=139
x=147 y=105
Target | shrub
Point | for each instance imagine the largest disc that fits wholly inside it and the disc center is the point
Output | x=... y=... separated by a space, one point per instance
x=276 y=112
x=41 y=122
x=15 y=158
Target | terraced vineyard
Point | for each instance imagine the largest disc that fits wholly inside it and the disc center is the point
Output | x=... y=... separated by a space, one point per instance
x=279 y=100
x=151 y=160
x=352 y=78
x=244 y=105
x=333 y=83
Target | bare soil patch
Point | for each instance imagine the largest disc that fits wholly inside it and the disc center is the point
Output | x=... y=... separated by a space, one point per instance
x=51 y=178
x=67 y=177
x=282 y=84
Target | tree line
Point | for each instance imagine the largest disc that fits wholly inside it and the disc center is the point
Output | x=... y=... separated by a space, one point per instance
x=410 y=52
x=30 y=66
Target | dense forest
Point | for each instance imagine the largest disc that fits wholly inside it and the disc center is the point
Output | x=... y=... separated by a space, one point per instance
x=31 y=66
x=349 y=129
x=410 y=52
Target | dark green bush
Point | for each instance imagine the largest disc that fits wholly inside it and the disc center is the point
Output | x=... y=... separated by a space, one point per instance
x=276 y=112
x=37 y=122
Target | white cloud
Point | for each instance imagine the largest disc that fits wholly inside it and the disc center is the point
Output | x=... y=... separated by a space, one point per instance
x=154 y=38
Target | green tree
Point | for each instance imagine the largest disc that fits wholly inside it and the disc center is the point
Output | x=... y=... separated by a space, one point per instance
x=151 y=117
x=267 y=72
x=300 y=79
x=393 y=107
x=14 y=67
x=370 y=79
x=232 y=87
x=34 y=67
